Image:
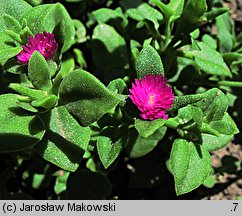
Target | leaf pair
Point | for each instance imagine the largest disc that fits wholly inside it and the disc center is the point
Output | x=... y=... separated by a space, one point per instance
x=65 y=141
x=33 y=20
x=190 y=165
x=205 y=126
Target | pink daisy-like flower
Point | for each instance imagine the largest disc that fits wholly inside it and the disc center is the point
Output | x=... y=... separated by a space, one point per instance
x=44 y=43
x=152 y=96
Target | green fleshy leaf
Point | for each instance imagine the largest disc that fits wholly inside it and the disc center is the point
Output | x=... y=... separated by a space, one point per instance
x=39 y=73
x=60 y=33
x=91 y=165
x=182 y=101
x=109 y=56
x=11 y=23
x=80 y=31
x=209 y=182
x=8 y=53
x=14 y=36
x=53 y=67
x=191 y=16
x=48 y=16
x=172 y=10
x=41 y=181
x=27 y=106
x=195 y=34
x=214 y=128
x=214 y=104
x=215 y=13
x=14 y=8
x=140 y=146
x=38 y=175
x=227 y=129
x=149 y=62
x=118 y=86
x=47 y=102
x=34 y=2
x=196 y=113
x=67 y=66
x=12 y=66
x=166 y=10
x=210 y=61
x=7 y=48
x=191 y=165
x=213 y=123
x=225 y=126
x=141 y=11
x=80 y=58
x=86 y=97
x=18 y=129
x=111 y=17
x=177 y=7
x=232 y=57
x=210 y=41
x=33 y=94
x=147 y=128
x=134 y=47
x=109 y=151
x=61 y=180
x=103 y=15
x=65 y=141
x=225 y=36
x=25 y=34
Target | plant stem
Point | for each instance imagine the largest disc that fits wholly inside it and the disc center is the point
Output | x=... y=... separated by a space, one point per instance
x=181 y=101
x=167 y=35
x=230 y=83
x=185 y=54
x=172 y=123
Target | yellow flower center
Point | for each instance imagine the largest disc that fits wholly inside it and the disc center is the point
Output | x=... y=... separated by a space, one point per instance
x=151 y=99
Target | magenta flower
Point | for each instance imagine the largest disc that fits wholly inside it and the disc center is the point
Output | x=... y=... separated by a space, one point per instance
x=152 y=96
x=44 y=43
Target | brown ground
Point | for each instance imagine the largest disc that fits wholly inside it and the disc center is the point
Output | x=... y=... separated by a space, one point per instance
x=235 y=9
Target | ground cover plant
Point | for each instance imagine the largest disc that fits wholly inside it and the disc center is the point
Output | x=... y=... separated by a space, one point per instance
x=105 y=99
